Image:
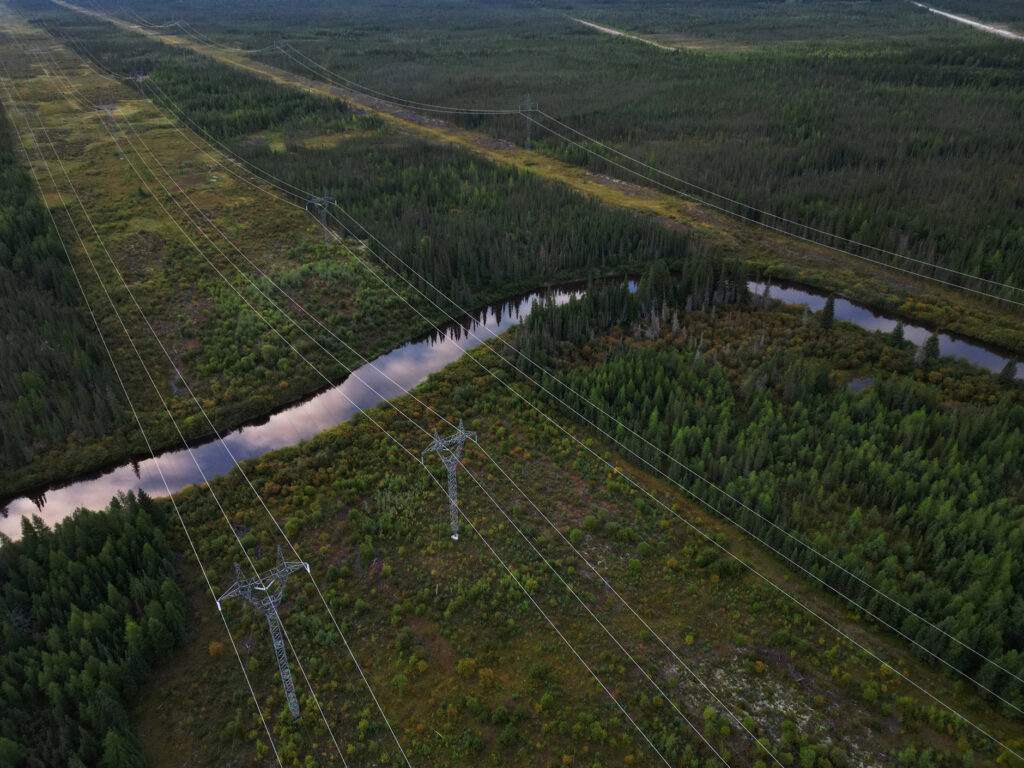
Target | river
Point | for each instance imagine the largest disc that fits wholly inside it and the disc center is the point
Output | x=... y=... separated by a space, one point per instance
x=950 y=346
x=389 y=376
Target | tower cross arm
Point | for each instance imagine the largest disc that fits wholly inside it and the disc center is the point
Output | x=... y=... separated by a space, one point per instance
x=241 y=588
x=435 y=445
x=282 y=571
x=285 y=568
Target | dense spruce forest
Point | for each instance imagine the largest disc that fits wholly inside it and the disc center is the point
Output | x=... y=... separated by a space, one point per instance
x=878 y=121
x=832 y=461
x=86 y=609
x=909 y=491
x=477 y=231
x=781 y=23
x=55 y=377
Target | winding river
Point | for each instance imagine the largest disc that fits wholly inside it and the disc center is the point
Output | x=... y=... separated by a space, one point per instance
x=388 y=376
x=949 y=346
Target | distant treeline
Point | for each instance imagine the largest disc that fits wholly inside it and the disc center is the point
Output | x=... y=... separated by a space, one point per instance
x=876 y=121
x=477 y=231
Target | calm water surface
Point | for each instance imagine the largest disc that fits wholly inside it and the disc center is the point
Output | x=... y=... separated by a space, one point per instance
x=387 y=377
x=866 y=318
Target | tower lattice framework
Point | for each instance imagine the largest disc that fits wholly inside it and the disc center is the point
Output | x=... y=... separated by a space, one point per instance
x=264 y=593
x=449 y=450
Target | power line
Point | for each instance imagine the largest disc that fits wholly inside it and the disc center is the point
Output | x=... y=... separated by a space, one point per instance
x=365 y=384
x=455 y=510
x=811 y=574
x=766 y=225
x=675 y=482
x=765 y=213
x=405 y=416
x=410 y=104
x=530 y=107
x=713 y=508
x=829 y=625
x=712 y=541
x=153 y=382
x=138 y=420
x=674 y=460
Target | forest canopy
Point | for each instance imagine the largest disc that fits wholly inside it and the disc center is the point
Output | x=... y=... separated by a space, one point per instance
x=55 y=377
x=905 y=500
x=86 y=609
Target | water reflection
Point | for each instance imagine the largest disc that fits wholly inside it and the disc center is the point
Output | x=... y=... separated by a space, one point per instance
x=860 y=384
x=388 y=376
x=865 y=318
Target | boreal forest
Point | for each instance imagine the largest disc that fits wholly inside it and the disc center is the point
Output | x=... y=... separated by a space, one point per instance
x=454 y=383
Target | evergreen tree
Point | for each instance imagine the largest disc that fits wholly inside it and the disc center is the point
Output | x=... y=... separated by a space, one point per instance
x=828 y=313
x=1009 y=372
x=115 y=607
x=119 y=752
x=896 y=337
x=931 y=349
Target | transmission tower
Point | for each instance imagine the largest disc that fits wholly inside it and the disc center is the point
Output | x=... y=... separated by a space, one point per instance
x=320 y=203
x=528 y=106
x=264 y=593
x=449 y=449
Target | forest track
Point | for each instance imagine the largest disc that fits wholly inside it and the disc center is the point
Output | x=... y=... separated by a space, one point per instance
x=620 y=33
x=933 y=305
x=1007 y=33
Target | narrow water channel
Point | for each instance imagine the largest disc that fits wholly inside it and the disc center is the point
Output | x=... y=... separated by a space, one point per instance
x=407 y=366
x=950 y=346
x=389 y=376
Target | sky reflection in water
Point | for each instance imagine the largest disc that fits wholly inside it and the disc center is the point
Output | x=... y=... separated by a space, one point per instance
x=385 y=378
x=867 y=319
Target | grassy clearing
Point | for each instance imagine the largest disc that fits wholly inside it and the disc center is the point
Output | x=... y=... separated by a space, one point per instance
x=467 y=669
x=184 y=299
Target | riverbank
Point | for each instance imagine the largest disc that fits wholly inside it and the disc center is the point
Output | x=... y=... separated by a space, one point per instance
x=214 y=327
x=364 y=511
x=391 y=375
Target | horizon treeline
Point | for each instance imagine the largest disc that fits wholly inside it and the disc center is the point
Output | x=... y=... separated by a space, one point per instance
x=877 y=122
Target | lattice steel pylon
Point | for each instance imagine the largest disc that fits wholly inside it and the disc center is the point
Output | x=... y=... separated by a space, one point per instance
x=449 y=449
x=320 y=203
x=528 y=106
x=264 y=592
